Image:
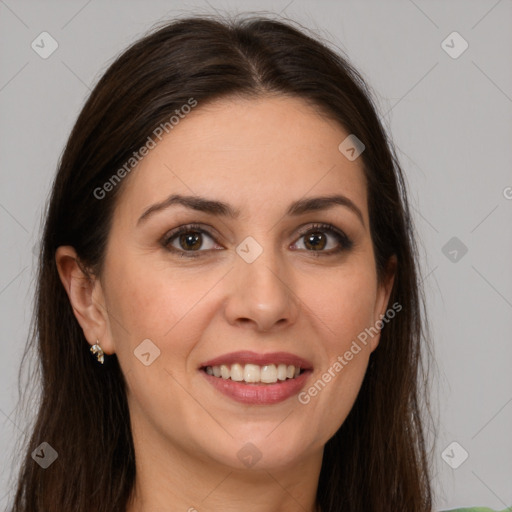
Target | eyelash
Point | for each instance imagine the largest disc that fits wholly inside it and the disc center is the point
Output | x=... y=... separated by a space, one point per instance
x=344 y=241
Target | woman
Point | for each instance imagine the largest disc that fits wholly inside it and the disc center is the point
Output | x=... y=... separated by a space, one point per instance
x=229 y=235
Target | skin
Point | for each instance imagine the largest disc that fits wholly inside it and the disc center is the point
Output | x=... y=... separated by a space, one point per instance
x=259 y=156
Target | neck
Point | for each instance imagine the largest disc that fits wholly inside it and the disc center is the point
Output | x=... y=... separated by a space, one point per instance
x=169 y=479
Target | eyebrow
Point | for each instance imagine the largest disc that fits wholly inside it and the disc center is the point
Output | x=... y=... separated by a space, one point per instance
x=225 y=210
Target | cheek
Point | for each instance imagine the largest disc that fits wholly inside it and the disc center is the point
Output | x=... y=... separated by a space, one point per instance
x=342 y=313
x=150 y=302
x=144 y=304
x=346 y=310
x=343 y=304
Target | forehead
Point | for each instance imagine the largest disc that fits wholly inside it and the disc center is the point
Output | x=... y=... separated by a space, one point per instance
x=249 y=153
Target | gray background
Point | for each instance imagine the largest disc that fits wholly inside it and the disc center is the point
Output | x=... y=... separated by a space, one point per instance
x=449 y=117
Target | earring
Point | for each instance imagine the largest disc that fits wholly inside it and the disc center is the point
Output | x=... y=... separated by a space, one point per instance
x=97 y=350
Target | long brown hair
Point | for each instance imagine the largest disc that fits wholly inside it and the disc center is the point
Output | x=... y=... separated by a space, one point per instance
x=378 y=459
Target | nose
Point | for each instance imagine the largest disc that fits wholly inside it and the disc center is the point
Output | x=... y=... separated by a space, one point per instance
x=261 y=295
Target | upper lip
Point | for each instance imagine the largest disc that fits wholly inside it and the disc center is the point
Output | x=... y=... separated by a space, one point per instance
x=248 y=357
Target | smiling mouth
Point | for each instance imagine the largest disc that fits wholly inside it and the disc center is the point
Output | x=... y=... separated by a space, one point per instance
x=253 y=373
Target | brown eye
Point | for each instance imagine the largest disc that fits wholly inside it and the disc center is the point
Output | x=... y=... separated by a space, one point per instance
x=315 y=240
x=323 y=239
x=190 y=241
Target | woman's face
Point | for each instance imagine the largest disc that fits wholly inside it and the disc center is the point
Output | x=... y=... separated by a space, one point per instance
x=256 y=288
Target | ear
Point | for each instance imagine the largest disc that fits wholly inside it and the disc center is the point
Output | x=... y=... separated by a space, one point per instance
x=382 y=299
x=86 y=297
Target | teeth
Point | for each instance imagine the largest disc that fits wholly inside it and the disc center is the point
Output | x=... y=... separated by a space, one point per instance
x=253 y=373
x=268 y=374
x=224 y=371
x=237 y=372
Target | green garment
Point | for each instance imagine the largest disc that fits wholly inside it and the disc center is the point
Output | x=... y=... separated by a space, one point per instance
x=477 y=509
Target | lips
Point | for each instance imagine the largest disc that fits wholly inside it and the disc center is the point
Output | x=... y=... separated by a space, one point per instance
x=248 y=357
x=257 y=393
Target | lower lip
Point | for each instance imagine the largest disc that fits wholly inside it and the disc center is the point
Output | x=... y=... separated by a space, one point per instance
x=258 y=394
